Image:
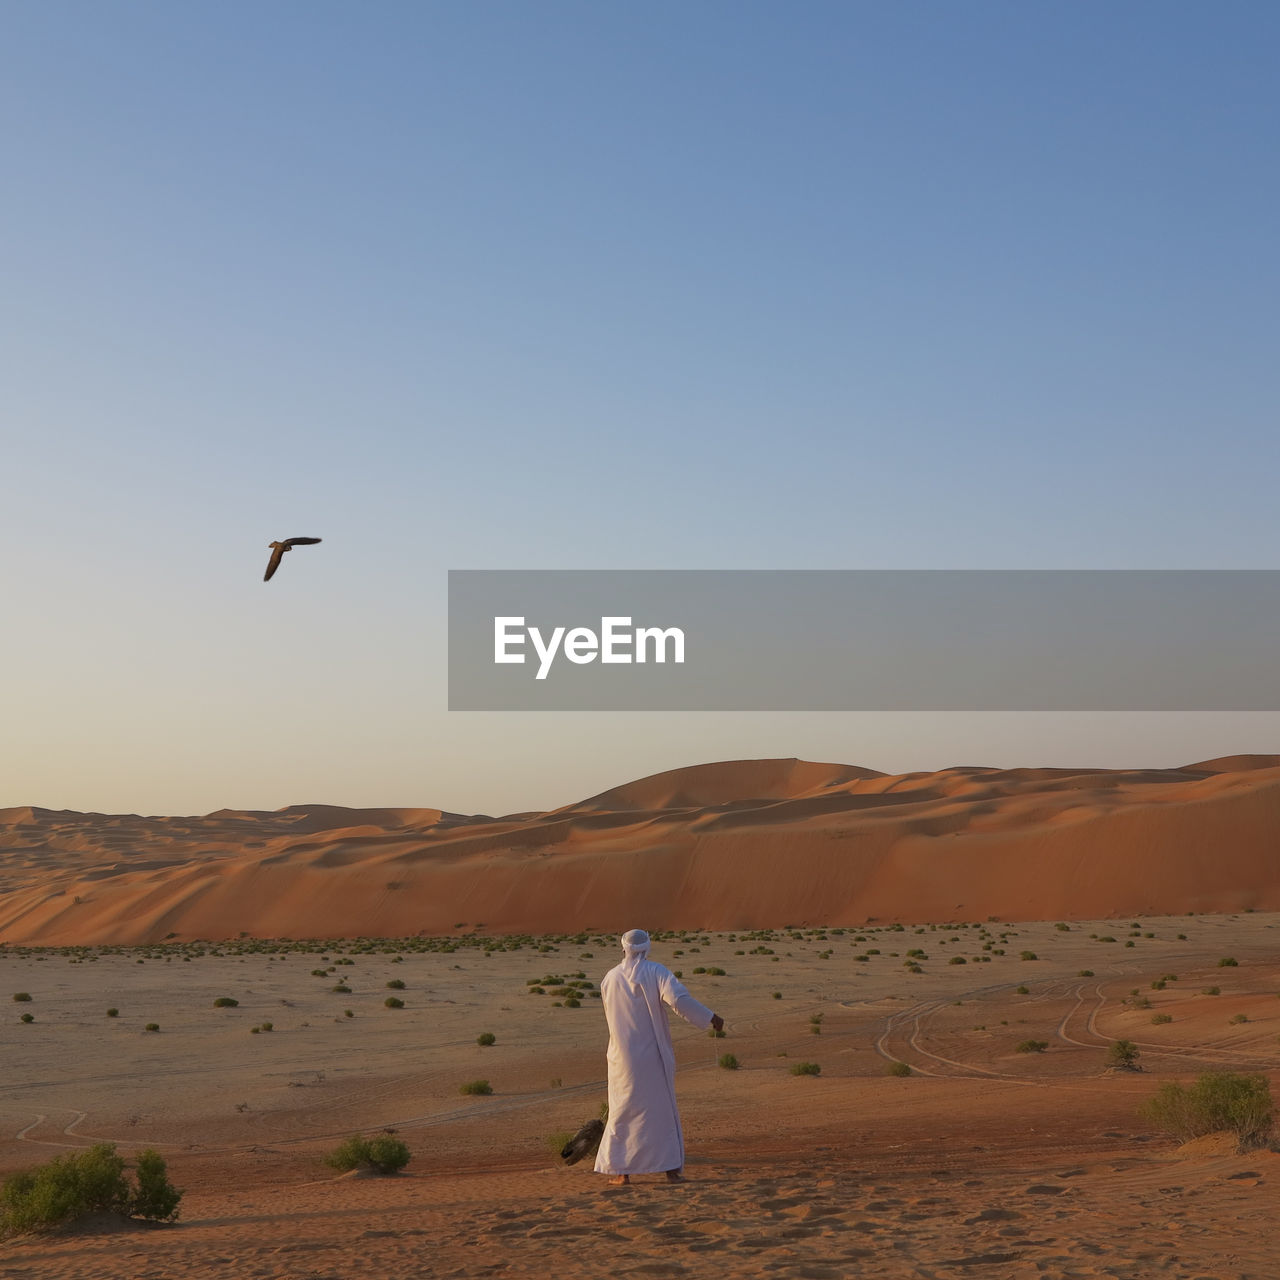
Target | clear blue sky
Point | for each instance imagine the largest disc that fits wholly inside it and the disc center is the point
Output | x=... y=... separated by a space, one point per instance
x=597 y=285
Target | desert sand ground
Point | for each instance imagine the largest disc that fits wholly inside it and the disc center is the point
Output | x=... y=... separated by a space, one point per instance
x=985 y=1161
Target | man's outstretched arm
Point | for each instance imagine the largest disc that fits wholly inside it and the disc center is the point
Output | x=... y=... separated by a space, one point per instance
x=676 y=994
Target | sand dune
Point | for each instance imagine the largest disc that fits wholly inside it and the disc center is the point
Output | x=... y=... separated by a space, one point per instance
x=730 y=845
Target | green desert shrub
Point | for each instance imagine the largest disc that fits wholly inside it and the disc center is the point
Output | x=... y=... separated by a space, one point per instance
x=393 y=1002
x=728 y=1062
x=113 y=1013
x=21 y=997
x=1030 y=955
x=1033 y=1046
x=476 y=1088
x=1159 y=1019
x=396 y=984
x=1085 y=973
x=1023 y=991
x=156 y=1197
x=152 y=1026
x=897 y=1069
x=806 y=1069
x=1123 y=1053
x=1228 y=962
x=486 y=1038
x=93 y=1181
x=1219 y=1101
x=27 y=1017
x=226 y=1002
x=1239 y=1017
x=381 y=1154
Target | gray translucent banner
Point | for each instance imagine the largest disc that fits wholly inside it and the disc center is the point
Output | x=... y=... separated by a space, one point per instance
x=864 y=640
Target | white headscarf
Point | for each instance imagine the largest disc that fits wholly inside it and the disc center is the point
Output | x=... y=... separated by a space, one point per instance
x=635 y=947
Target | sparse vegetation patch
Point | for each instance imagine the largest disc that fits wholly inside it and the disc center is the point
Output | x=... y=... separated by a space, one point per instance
x=383 y=1154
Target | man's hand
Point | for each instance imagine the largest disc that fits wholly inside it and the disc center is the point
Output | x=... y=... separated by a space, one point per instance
x=717 y=1022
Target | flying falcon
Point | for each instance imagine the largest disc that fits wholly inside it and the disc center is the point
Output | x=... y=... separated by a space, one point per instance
x=279 y=548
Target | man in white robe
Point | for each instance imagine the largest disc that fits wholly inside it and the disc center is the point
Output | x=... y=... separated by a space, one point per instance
x=643 y=1132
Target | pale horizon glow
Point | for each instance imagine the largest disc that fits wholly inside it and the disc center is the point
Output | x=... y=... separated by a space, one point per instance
x=581 y=286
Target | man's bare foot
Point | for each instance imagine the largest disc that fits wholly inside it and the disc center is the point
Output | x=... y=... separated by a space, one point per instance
x=623 y=1180
x=674 y=1175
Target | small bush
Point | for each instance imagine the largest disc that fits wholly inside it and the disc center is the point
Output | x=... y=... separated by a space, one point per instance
x=728 y=1062
x=1123 y=1053
x=268 y=1026
x=476 y=1088
x=21 y=997
x=93 y=1181
x=1023 y=991
x=396 y=984
x=1228 y=962
x=341 y=988
x=152 y=1026
x=226 y=1002
x=156 y=1197
x=1033 y=1046
x=1211 y=991
x=1239 y=1017
x=897 y=1069
x=27 y=1017
x=382 y=1154
x=1159 y=1019
x=1218 y=1101
x=777 y=995
x=486 y=1038
x=957 y=960
x=1085 y=973
x=1030 y=955
x=393 y=1002
x=113 y=1013
x=806 y=1069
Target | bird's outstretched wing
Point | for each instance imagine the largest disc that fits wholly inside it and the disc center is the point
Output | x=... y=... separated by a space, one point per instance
x=299 y=542
x=274 y=563
x=583 y=1143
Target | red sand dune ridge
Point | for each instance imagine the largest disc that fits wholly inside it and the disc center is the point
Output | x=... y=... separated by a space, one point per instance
x=732 y=845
